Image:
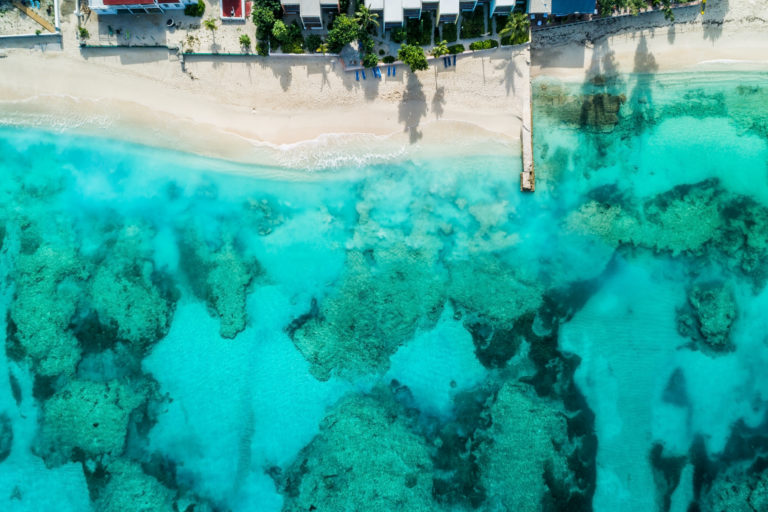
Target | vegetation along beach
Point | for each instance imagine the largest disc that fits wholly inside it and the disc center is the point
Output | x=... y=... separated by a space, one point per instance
x=383 y=255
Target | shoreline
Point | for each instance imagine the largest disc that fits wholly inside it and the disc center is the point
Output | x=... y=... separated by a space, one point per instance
x=242 y=110
x=308 y=112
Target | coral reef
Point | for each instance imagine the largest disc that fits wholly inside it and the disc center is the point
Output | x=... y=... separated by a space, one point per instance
x=698 y=220
x=709 y=315
x=129 y=488
x=364 y=458
x=597 y=112
x=88 y=418
x=6 y=436
x=736 y=490
x=526 y=450
x=220 y=277
x=384 y=296
x=493 y=290
x=123 y=294
x=49 y=286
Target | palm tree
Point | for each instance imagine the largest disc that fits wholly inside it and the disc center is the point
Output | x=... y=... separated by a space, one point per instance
x=440 y=49
x=516 y=28
x=366 y=19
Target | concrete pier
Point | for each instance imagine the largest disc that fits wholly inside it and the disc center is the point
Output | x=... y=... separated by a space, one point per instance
x=527 y=177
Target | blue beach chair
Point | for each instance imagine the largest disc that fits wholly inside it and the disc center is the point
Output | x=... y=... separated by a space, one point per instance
x=357 y=75
x=394 y=68
x=363 y=73
x=454 y=60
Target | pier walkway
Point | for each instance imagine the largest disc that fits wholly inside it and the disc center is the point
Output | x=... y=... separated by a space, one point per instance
x=527 y=177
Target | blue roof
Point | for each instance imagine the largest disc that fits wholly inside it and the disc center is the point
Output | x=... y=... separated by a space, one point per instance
x=563 y=7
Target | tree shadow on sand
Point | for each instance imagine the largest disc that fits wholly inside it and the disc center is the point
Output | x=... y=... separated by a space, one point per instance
x=713 y=19
x=412 y=108
x=641 y=99
x=438 y=100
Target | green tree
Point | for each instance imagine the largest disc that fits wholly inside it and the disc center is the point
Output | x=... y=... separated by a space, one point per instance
x=344 y=31
x=440 y=49
x=210 y=24
x=264 y=14
x=516 y=28
x=413 y=56
x=366 y=19
x=370 y=60
x=280 y=31
x=245 y=42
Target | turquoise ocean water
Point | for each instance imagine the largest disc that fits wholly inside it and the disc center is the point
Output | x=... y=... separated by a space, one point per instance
x=182 y=334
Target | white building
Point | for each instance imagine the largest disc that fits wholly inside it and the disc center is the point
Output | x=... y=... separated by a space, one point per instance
x=136 y=6
x=310 y=11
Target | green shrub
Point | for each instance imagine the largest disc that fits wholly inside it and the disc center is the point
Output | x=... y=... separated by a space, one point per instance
x=398 y=35
x=293 y=42
x=419 y=31
x=313 y=42
x=381 y=52
x=344 y=5
x=344 y=31
x=484 y=45
x=472 y=24
x=84 y=34
x=262 y=48
x=456 y=48
x=413 y=55
x=388 y=59
x=367 y=44
x=370 y=60
x=245 y=41
x=197 y=9
x=450 y=33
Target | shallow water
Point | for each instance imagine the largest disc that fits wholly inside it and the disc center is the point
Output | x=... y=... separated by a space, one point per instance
x=189 y=334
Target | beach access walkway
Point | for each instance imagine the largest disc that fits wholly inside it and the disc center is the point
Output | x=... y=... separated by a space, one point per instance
x=47 y=25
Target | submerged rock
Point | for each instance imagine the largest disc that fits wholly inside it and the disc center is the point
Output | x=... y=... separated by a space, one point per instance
x=6 y=436
x=221 y=278
x=364 y=458
x=494 y=291
x=736 y=490
x=88 y=418
x=709 y=315
x=49 y=285
x=525 y=455
x=129 y=488
x=699 y=220
x=123 y=295
x=597 y=112
x=383 y=298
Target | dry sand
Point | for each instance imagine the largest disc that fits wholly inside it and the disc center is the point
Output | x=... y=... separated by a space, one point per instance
x=732 y=34
x=234 y=107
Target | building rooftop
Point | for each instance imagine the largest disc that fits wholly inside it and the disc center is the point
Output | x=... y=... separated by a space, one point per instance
x=540 y=6
x=393 y=11
x=310 y=8
x=449 y=7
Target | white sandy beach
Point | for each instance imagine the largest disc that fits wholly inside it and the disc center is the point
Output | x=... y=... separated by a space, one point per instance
x=226 y=106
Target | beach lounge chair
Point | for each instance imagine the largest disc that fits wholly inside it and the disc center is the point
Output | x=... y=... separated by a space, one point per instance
x=357 y=75
x=454 y=60
x=394 y=68
x=363 y=73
